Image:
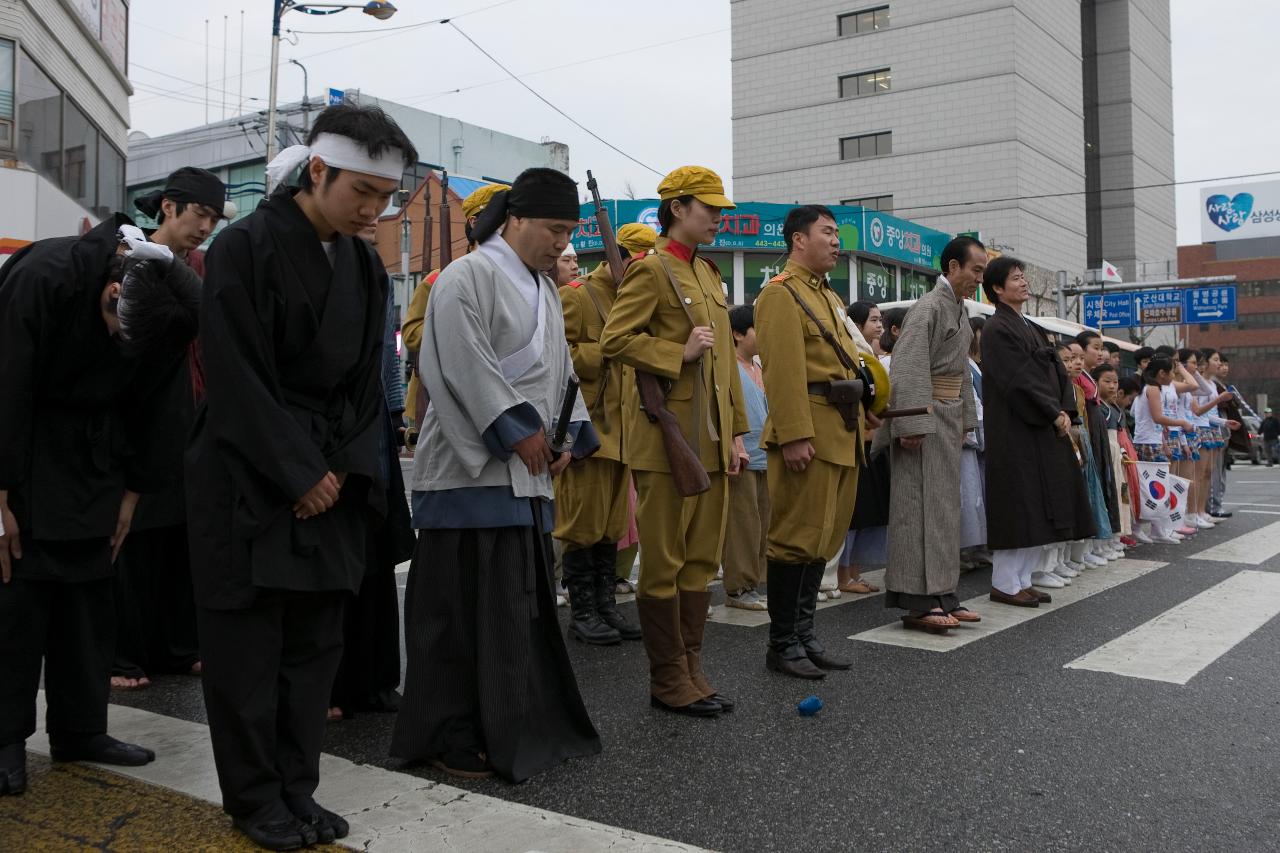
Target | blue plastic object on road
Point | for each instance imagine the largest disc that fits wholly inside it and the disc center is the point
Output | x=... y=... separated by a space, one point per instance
x=809 y=706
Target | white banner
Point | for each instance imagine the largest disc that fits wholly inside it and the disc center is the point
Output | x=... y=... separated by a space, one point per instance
x=1240 y=211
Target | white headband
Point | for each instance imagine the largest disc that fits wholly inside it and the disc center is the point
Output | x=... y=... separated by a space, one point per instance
x=341 y=152
x=139 y=247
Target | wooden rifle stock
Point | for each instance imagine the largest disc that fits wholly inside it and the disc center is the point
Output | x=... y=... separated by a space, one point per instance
x=687 y=473
x=612 y=254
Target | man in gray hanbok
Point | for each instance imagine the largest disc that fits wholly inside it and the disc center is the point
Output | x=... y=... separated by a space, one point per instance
x=488 y=686
x=931 y=368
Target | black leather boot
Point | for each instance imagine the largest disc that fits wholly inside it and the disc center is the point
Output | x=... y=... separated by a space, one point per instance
x=586 y=625
x=786 y=655
x=807 y=605
x=605 y=560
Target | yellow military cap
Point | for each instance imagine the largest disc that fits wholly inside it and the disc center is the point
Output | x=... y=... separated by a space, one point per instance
x=636 y=237
x=478 y=200
x=697 y=181
x=879 y=378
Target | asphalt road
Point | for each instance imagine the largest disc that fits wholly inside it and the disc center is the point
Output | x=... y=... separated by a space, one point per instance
x=995 y=745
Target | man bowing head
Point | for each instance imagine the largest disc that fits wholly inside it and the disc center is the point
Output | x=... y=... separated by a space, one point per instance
x=488 y=686
x=282 y=463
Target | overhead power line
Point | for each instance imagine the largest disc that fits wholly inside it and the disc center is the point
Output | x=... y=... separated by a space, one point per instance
x=539 y=96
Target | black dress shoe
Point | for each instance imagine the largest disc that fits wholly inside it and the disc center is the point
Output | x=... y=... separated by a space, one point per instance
x=700 y=708
x=1221 y=514
x=274 y=827
x=798 y=668
x=822 y=660
x=13 y=769
x=726 y=704
x=326 y=825
x=102 y=749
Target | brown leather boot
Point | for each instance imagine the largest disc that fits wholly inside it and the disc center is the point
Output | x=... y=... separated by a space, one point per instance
x=693 y=621
x=670 y=687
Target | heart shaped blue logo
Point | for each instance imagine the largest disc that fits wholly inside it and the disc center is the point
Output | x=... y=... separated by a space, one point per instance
x=1229 y=213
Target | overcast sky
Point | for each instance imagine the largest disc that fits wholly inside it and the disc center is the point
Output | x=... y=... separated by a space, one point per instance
x=652 y=79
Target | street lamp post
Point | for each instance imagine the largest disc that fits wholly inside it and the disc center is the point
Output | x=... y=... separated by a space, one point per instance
x=380 y=9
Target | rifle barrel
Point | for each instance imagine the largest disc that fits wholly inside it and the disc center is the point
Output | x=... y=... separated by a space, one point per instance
x=446 y=225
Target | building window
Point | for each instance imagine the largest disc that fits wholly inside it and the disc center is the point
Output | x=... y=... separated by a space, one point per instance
x=1246 y=289
x=877 y=282
x=864 y=21
x=39 y=120
x=882 y=203
x=865 y=83
x=8 y=58
x=79 y=155
x=110 y=181
x=246 y=186
x=867 y=145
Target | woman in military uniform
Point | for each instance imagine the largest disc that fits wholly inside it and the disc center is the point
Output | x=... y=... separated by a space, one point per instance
x=671 y=321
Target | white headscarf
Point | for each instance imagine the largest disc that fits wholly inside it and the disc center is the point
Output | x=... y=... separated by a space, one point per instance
x=341 y=152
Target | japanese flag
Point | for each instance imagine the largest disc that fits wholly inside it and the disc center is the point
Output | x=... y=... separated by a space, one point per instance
x=1153 y=478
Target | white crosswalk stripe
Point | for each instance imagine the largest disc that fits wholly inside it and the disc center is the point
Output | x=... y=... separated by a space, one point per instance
x=1252 y=548
x=1179 y=643
x=1000 y=617
x=755 y=618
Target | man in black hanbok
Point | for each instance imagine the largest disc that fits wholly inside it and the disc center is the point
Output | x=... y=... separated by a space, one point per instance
x=283 y=465
x=93 y=335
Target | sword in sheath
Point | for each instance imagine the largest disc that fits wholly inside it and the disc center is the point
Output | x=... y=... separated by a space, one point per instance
x=561 y=441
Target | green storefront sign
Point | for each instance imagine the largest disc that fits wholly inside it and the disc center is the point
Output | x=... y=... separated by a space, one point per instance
x=890 y=237
x=751 y=226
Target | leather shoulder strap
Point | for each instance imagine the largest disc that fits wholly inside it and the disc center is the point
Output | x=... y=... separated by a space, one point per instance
x=844 y=357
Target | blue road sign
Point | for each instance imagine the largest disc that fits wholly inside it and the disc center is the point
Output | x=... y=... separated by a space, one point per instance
x=1209 y=304
x=1107 y=310
x=1159 y=307
x=336 y=96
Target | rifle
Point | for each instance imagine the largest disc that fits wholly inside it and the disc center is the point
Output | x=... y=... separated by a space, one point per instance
x=420 y=403
x=687 y=473
x=446 y=232
x=612 y=254
x=426 y=229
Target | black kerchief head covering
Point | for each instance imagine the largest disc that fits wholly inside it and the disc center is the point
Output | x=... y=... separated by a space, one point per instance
x=539 y=193
x=188 y=185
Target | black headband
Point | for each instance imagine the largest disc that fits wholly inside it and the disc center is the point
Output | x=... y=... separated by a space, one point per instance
x=538 y=193
x=188 y=185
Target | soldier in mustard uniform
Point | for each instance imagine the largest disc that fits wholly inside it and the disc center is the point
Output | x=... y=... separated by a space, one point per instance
x=671 y=320
x=591 y=496
x=813 y=447
x=411 y=326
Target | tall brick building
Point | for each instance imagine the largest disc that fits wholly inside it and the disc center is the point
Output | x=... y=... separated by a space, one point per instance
x=1253 y=342
x=1049 y=111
